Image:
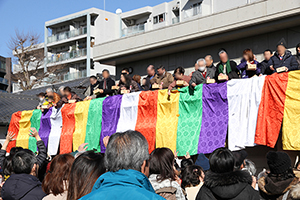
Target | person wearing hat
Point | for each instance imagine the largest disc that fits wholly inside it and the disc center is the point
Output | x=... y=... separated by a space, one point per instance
x=240 y=157
x=226 y=67
x=202 y=161
x=282 y=58
x=280 y=183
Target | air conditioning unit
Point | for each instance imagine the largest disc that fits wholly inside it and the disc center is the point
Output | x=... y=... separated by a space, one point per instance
x=131 y=22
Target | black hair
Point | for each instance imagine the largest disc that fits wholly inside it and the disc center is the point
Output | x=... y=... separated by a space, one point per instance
x=93 y=77
x=105 y=70
x=190 y=176
x=67 y=88
x=297 y=164
x=41 y=94
x=221 y=161
x=125 y=69
x=161 y=67
x=7 y=164
x=185 y=163
x=298 y=46
x=23 y=162
x=269 y=50
x=127 y=81
x=180 y=70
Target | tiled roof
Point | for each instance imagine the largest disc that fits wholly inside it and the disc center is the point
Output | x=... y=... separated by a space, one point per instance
x=10 y=103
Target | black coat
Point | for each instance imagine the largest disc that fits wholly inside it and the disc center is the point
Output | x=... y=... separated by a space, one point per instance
x=22 y=186
x=235 y=73
x=265 y=69
x=234 y=185
x=108 y=90
x=147 y=86
x=288 y=61
x=297 y=57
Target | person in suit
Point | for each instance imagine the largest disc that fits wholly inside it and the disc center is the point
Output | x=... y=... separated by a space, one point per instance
x=202 y=74
x=106 y=84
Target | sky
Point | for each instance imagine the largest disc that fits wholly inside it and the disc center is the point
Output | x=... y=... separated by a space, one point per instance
x=31 y=15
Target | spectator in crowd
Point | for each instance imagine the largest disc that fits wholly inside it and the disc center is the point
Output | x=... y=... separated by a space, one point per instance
x=179 y=75
x=144 y=84
x=196 y=68
x=126 y=160
x=69 y=95
x=250 y=167
x=265 y=69
x=94 y=84
x=226 y=67
x=297 y=56
x=106 y=84
x=127 y=83
x=297 y=169
x=185 y=163
x=240 y=157
x=125 y=71
x=85 y=170
x=162 y=78
x=137 y=79
x=203 y=162
x=54 y=95
x=61 y=91
x=283 y=58
x=9 y=138
x=42 y=99
x=162 y=174
x=210 y=62
x=192 y=180
x=280 y=182
x=55 y=184
x=223 y=182
x=248 y=58
x=151 y=74
x=202 y=74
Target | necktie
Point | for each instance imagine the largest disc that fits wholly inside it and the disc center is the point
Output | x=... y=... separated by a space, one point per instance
x=104 y=84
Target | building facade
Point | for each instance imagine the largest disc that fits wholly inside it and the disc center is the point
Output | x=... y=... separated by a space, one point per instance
x=5 y=64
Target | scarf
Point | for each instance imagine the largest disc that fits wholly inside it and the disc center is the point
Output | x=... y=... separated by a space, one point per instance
x=228 y=67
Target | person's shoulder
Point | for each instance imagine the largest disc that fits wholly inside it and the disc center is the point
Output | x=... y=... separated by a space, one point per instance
x=204 y=193
x=232 y=62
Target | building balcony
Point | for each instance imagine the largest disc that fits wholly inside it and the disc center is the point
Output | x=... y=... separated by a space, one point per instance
x=66 y=56
x=67 y=34
x=72 y=76
x=175 y=20
x=132 y=30
x=194 y=11
x=3 y=81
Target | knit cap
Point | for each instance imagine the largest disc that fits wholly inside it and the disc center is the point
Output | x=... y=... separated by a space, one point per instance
x=279 y=162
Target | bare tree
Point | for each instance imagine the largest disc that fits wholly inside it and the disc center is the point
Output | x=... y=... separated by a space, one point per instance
x=29 y=58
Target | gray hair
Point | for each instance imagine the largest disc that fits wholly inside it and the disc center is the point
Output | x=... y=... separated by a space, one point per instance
x=61 y=88
x=49 y=90
x=201 y=59
x=250 y=167
x=222 y=51
x=127 y=150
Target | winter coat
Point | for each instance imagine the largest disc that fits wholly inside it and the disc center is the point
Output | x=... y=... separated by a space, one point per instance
x=265 y=69
x=157 y=185
x=184 y=78
x=198 y=78
x=122 y=185
x=297 y=57
x=66 y=100
x=288 y=61
x=166 y=79
x=90 y=90
x=107 y=91
x=234 y=71
x=147 y=86
x=233 y=185
x=62 y=196
x=133 y=84
x=270 y=189
x=22 y=186
x=248 y=74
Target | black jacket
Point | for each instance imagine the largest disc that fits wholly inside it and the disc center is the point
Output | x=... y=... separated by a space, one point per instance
x=22 y=186
x=288 y=61
x=297 y=57
x=147 y=86
x=235 y=73
x=234 y=185
x=265 y=69
x=108 y=90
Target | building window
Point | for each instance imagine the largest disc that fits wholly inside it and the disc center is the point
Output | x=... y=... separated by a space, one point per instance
x=159 y=18
x=196 y=9
x=2 y=65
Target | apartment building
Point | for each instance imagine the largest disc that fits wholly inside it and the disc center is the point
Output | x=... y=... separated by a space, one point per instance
x=4 y=82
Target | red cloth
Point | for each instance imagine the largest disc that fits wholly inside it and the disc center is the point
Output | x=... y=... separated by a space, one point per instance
x=204 y=74
x=14 y=127
x=147 y=114
x=271 y=108
x=68 y=128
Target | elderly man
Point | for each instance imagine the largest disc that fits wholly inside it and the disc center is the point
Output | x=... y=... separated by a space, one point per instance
x=226 y=67
x=162 y=78
x=151 y=74
x=126 y=160
x=282 y=58
x=210 y=62
x=61 y=90
x=50 y=93
x=202 y=74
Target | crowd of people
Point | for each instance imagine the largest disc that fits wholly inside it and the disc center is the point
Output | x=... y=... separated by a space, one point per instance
x=127 y=171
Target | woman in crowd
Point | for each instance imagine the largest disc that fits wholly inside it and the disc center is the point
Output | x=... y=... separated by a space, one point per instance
x=137 y=79
x=85 y=170
x=248 y=58
x=192 y=180
x=222 y=182
x=55 y=184
x=280 y=183
x=68 y=95
x=162 y=174
x=126 y=83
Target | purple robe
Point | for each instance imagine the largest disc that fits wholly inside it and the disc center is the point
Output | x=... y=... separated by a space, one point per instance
x=45 y=127
x=110 y=117
x=214 y=117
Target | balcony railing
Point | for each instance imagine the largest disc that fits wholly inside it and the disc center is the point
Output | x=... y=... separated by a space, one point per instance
x=3 y=81
x=75 y=75
x=175 y=20
x=132 y=30
x=195 y=10
x=67 y=34
x=66 y=56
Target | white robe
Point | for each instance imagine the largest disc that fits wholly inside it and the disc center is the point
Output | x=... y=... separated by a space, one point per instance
x=128 y=112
